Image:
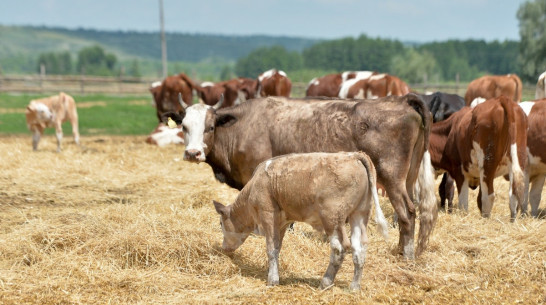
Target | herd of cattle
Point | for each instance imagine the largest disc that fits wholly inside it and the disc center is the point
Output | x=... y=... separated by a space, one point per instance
x=271 y=147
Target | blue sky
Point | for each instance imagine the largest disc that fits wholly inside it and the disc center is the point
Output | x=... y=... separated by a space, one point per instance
x=405 y=20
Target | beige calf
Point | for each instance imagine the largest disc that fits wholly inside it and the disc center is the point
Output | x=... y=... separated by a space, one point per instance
x=52 y=112
x=324 y=190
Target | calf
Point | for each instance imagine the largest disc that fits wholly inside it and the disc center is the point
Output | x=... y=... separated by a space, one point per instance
x=475 y=145
x=322 y=189
x=52 y=112
x=535 y=171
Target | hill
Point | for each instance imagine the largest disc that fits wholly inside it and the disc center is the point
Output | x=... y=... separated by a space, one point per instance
x=21 y=45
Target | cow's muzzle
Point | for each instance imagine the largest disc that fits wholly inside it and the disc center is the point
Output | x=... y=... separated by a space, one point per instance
x=193 y=155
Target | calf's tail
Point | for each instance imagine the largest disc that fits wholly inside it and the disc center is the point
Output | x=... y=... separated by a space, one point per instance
x=380 y=220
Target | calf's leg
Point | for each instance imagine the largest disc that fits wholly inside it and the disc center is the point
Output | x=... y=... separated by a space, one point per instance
x=36 y=134
x=59 y=135
x=536 y=193
x=359 y=245
x=336 y=259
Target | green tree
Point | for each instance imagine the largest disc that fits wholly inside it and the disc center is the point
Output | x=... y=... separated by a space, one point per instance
x=55 y=63
x=94 y=61
x=263 y=59
x=412 y=66
x=532 y=30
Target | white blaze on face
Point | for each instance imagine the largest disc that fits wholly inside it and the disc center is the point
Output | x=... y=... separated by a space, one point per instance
x=194 y=124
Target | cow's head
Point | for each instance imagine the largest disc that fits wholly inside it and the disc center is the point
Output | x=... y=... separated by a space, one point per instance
x=199 y=123
x=234 y=233
x=43 y=113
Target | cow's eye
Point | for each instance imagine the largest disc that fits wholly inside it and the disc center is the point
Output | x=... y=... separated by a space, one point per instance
x=211 y=128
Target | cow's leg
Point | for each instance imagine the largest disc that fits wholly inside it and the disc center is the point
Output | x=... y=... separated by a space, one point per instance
x=450 y=192
x=486 y=196
x=359 y=245
x=536 y=193
x=442 y=191
x=525 y=190
x=403 y=207
x=463 y=195
x=59 y=135
x=337 y=255
x=273 y=244
x=36 y=134
x=75 y=129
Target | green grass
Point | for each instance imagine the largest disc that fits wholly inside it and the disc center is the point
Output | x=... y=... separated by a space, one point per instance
x=98 y=114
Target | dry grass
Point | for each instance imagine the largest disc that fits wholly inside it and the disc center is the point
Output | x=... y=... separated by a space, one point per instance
x=119 y=221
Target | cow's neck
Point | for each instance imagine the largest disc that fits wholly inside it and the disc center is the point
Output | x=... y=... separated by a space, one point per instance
x=437 y=141
x=243 y=213
x=218 y=159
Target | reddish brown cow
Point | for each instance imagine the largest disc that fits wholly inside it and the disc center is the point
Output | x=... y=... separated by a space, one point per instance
x=166 y=95
x=273 y=83
x=327 y=85
x=535 y=171
x=235 y=91
x=379 y=85
x=491 y=86
x=475 y=145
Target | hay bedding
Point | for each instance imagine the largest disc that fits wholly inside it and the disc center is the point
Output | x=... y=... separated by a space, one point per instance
x=120 y=221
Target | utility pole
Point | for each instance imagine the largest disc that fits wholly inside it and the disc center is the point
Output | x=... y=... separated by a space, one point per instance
x=163 y=42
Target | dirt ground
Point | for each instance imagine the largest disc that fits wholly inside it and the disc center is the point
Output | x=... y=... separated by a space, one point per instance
x=118 y=221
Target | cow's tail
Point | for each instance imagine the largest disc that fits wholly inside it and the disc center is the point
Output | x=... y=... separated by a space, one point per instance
x=428 y=209
x=519 y=88
x=382 y=225
x=515 y=171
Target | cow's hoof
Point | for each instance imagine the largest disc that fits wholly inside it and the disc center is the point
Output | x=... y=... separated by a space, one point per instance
x=354 y=286
x=325 y=283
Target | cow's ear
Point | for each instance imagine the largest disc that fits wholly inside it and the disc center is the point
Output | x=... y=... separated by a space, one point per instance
x=225 y=120
x=221 y=209
x=176 y=117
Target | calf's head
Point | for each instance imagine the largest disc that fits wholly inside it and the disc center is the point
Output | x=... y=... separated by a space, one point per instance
x=234 y=236
x=43 y=113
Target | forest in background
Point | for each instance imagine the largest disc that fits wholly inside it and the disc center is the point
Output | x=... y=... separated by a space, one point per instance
x=216 y=57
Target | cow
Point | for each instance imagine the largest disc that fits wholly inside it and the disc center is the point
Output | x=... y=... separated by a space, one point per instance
x=273 y=83
x=166 y=95
x=475 y=145
x=52 y=111
x=323 y=190
x=491 y=86
x=327 y=85
x=442 y=106
x=375 y=86
x=393 y=131
x=535 y=171
x=164 y=135
x=235 y=91
x=540 y=92
x=350 y=79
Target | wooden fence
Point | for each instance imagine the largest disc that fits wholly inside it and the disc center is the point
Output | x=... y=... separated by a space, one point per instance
x=131 y=85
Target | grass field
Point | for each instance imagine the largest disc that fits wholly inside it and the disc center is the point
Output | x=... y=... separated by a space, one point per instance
x=118 y=221
x=98 y=114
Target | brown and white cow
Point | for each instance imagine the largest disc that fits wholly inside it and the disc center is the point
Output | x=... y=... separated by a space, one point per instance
x=323 y=190
x=235 y=91
x=375 y=86
x=164 y=135
x=349 y=79
x=491 y=86
x=52 y=111
x=393 y=131
x=475 y=145
x=327 y=85
x=273 y=83
x=166 y=95
x=535 y=171
x=540 y=91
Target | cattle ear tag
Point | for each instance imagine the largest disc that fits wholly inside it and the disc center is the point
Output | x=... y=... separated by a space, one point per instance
x=171 y=123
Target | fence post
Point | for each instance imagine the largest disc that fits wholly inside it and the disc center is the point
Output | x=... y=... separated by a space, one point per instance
x=82 y=80
x=42 y=74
